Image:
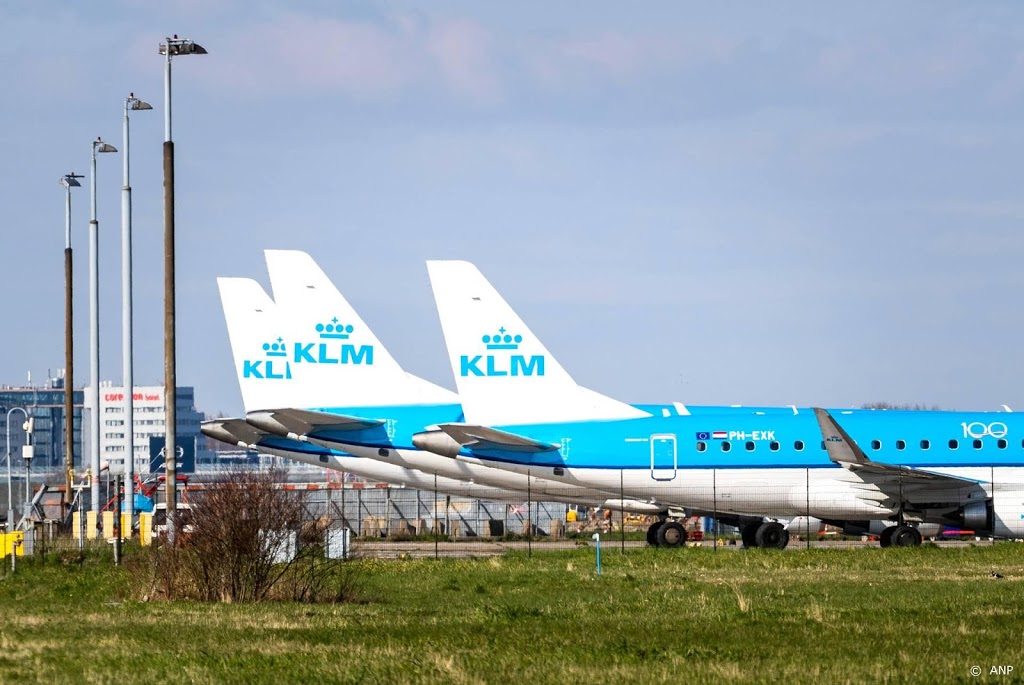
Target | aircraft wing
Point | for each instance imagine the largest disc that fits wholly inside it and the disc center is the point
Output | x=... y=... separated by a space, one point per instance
x=843 y=450
x=300 y=422
x=482 y=437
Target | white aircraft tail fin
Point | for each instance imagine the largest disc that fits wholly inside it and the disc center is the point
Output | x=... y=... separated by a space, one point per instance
x=505 y=375
x=309 y=349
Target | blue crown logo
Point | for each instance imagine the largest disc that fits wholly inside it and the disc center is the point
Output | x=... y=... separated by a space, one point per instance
x=502 y=341
x=334 y=330
x=275 y=349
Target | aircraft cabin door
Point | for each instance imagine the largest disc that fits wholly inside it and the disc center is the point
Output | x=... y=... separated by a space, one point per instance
x=663 y=456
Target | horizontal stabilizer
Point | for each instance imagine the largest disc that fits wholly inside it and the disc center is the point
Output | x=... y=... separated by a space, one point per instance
x=295 y=423
x=232 y=431
x=482 y=437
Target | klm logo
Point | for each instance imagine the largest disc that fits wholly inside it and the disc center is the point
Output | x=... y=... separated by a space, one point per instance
x=274 y=365
x=333 y=347
x=499 y=361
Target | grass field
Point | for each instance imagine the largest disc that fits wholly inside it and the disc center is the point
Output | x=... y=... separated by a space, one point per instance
x=688 y=615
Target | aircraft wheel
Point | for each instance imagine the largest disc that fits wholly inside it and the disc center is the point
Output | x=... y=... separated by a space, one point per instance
x=905 y=536
x=885 y=539
x=652 y=533
x=671 y=534
x=772 y=535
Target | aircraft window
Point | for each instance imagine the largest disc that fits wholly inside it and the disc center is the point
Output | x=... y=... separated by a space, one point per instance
x=1001 y=444
x=774 y=446
x=901 y=444
x=726 y=446
x=953 y=444
x=977 y=444
x=876 y=444
x=798 y=445
x=925 y=444
x=750 y=446
x=701 y=446
x=822 y=444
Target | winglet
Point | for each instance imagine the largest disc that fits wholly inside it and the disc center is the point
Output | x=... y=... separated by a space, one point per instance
x=840 y=446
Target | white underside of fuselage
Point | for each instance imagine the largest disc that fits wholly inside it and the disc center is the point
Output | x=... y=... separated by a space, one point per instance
x=532 y=487
x=826 y=493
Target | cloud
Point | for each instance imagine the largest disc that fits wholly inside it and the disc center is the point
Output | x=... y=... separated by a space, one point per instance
x=463 y=51
x=304 y=56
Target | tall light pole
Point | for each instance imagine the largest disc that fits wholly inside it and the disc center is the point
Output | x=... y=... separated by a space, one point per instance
x=173 y=46
x=10 y=490
x=131 y=103
x=69 y=181
x=27 y=453
x=98 y=146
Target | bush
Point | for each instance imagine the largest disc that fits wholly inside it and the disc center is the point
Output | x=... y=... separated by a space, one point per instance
x=240 y=546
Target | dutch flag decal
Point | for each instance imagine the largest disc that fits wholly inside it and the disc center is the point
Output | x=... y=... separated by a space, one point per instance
x=720 y=435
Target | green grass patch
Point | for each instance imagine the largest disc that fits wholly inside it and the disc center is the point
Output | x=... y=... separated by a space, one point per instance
x=688 y=615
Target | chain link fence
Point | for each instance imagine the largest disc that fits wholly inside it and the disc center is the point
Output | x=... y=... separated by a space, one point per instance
x=387 y=521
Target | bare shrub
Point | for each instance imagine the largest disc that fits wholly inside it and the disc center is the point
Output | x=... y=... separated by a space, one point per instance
x=246 y=540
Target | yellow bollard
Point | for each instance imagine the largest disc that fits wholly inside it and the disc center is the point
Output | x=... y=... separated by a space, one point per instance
x=126 y=527
x=108 y=525
x=145 y=529
x=90 y=525
x=76 y=518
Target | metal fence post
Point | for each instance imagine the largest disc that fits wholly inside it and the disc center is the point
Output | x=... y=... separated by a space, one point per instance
x=808 y=493
x=714 y=506
x=434 y=523
x=622 y=512
x=529 y=527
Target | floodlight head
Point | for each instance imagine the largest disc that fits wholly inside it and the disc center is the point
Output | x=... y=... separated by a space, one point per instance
x=99 y=146
x=180 y=46
x=133 y=103
x=71 y=180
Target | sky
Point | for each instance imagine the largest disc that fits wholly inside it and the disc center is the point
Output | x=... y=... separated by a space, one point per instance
x=712 y=204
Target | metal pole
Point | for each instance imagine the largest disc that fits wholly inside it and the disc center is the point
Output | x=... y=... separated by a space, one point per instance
x=28 y=485
x=69 y=349
x=117 y=520
x=94 y=340
x=714 y=505
x=529 y=527
x=622 y=512
x=10 y=489
x=126 y=315
x=170 y=368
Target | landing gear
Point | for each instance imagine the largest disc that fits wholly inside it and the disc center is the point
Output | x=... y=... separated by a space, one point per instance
x=666 y=534
x=671 y=534
x=900 y=536
x=772 y=535
x=652 y=533
x=749 y=534
x=769 y=535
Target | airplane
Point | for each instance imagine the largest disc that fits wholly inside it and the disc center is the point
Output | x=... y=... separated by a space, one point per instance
x=342 y=401
x=525 y=414
x=297 y=282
